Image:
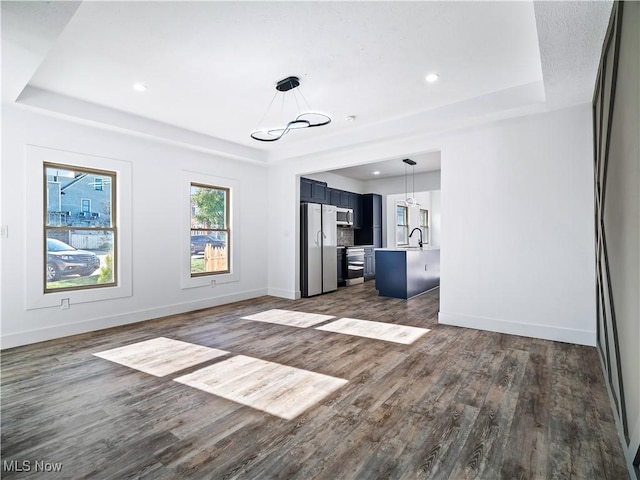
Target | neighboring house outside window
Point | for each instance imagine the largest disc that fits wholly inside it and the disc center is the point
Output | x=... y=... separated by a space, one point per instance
x=402 y=225
x=424 y=225
x=79 y=228
x=210 y=234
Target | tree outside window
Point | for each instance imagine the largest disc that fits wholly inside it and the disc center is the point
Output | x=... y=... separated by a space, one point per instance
x=210 y=234
x=79 y=228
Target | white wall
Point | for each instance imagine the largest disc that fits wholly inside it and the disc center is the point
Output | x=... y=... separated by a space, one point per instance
x=517 y=223
x=435 y=228
x=156 y=247
x=517 y=228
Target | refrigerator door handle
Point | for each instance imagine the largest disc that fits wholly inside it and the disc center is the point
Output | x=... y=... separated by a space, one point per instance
x=318 y=237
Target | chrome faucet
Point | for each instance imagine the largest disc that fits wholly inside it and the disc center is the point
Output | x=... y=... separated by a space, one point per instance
x=420 y=232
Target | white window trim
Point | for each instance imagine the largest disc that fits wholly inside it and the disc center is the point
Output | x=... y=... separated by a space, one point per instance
x=405 y=227
x=186 y=280
x=34 y=252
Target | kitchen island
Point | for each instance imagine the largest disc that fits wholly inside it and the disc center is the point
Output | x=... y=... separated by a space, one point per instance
x=406 y=272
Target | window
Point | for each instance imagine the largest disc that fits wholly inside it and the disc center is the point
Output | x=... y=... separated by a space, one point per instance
x=209 y=230
x=424 y=225
x=79 y=229
x=97 y=183
x=402 y=225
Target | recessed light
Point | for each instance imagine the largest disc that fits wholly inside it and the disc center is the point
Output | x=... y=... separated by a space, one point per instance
x=139 y=87
x=351 y=118
x=376 y=173
x=432 y=77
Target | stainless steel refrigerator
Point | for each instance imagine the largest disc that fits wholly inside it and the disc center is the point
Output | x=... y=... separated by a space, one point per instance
x=318 y=252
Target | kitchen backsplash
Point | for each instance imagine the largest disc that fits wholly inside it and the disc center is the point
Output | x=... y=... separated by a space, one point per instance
x=345 y=236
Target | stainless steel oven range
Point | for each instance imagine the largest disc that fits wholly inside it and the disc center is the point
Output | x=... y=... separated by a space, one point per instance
x=355 y=265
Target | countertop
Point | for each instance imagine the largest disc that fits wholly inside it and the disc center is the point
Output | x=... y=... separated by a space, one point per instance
x=408 y=249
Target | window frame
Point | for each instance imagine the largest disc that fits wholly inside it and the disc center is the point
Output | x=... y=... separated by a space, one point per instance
x=46 y=228
x=404 y=226
x=34 y=297
x=424 y=225
x=235 y=260
x=205 y=230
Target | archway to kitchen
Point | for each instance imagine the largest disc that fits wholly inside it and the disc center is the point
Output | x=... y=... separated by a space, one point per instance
x=409 y=203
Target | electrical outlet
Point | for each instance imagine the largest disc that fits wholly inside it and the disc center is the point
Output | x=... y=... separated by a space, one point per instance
x=4 y=231
x=213 y=284
x=64 y=304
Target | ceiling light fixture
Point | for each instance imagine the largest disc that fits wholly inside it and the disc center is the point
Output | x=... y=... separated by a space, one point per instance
x=432 y=77
x=376 y=172
x=305 y=119
x=410 y=201
x=140 y=87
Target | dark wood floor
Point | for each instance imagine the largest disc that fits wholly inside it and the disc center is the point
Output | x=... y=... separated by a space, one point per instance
x=456 y=404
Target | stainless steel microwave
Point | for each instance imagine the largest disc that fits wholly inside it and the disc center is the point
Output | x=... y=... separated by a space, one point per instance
x=344 y=216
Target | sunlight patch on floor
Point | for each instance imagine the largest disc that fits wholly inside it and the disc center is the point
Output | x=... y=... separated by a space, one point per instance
x=277 y=389
x=290 y=318
x=389 y=332
x=160 y=356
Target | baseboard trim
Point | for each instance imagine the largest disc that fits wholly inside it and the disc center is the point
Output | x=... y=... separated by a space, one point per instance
x=288 y=294
x=95 y=324
x=546 y=332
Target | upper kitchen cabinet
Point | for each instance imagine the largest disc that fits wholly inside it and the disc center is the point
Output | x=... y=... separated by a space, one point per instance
x=345 y=199
x=371 y=210
x=333 y=195
x=313 y=191
x=337 y=197
x=355 y=203
x=370 y=231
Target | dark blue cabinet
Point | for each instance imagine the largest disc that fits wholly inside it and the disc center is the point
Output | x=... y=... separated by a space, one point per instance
x=405 y=273
x=306 y=189
x=333 y=195
x=370 y=231
x=313 y=191
x=345 y=199
x=371 y=210
x=369 y=263
x=355 y=203
x=341 y=266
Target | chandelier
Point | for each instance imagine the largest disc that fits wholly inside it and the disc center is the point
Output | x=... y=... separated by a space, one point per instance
x=410 y=201
x=306 y=119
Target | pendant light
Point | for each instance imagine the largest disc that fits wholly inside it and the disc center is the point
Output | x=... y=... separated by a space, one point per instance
x=410 y=201
x=306 y=119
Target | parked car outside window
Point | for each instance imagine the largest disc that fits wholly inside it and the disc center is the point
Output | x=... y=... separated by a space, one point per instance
x=64 y=260
x=199 y=242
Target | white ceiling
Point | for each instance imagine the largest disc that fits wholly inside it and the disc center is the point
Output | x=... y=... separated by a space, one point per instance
x=211 y=67
x=425 y=162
